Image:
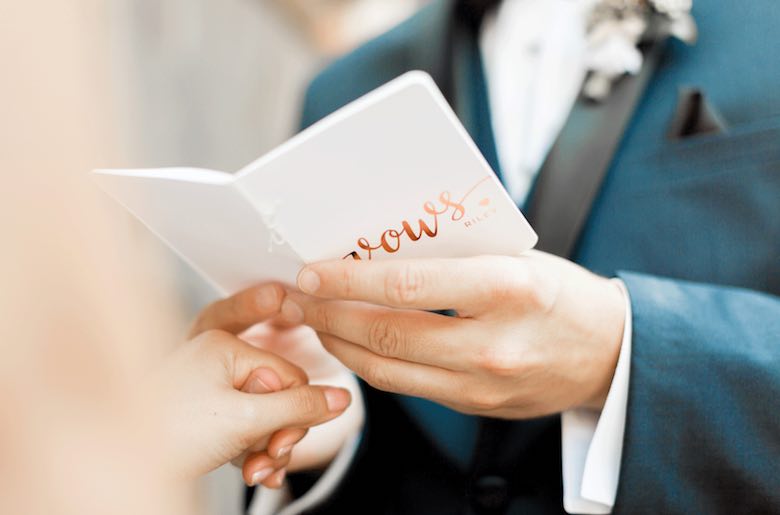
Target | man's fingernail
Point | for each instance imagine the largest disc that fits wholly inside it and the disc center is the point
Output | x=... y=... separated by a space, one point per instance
x=308 y=281
x=267 y=298
x=337 y=399
x=291 y=311
x=260 y=475
x=284 y=451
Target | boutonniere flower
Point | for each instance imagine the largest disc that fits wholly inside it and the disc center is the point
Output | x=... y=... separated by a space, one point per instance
x=617 y=27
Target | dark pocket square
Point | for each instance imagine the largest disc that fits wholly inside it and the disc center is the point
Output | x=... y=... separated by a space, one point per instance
x=694 y=115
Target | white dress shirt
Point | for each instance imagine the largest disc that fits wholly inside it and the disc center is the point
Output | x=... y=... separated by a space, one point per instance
x=534 y=54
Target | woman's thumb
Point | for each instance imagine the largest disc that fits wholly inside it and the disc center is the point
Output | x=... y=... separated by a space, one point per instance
x=301 y=406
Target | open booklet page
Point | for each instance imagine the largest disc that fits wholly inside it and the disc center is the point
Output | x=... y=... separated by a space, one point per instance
x=392 y=175
x=211 y=225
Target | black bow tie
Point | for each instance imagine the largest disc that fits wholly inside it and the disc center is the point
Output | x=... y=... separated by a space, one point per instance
x=474 y=10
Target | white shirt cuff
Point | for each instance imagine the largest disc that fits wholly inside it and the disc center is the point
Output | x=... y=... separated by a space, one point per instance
x=268 y=501
x=592 y=443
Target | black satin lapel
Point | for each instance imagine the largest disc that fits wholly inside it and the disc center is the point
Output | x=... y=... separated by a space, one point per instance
x=571 y=176
x=430 y=48
x=469 y=88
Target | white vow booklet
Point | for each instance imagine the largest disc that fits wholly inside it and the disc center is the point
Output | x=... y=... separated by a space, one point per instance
x=391 y=175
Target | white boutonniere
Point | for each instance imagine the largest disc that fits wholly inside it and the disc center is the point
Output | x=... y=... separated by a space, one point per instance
x=617 y=27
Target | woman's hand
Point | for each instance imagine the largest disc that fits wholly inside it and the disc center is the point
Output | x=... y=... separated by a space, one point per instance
x=210 y=418
x=534 y=334
x=300 y=345
x=242 y=314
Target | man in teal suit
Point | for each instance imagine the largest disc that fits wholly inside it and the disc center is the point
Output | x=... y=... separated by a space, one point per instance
x=686 y=217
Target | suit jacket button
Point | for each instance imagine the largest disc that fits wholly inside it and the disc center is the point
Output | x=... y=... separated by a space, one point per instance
x=490 y=494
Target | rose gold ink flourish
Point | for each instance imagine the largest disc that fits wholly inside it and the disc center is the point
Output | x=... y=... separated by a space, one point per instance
x=390 y=239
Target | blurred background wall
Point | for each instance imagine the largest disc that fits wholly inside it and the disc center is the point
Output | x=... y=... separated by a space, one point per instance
x=215 y=84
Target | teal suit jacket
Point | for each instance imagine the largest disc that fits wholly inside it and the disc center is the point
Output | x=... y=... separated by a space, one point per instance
x=691 y=225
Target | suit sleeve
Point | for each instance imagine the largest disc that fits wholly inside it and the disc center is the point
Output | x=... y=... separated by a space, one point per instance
x=702 y=431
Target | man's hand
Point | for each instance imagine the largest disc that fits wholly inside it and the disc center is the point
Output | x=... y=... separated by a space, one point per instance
x=534 y=335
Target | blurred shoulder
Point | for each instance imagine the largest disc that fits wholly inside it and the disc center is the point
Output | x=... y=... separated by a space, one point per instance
x=372 y=64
